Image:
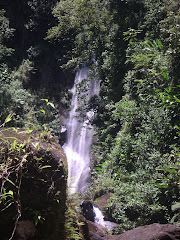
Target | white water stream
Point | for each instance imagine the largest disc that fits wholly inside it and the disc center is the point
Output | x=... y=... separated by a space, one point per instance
x=99 y=218
x=79 y=136
x=79 y=140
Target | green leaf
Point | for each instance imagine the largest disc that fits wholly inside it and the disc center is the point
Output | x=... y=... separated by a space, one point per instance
x=170 y=170
x=177 y=127
x=14 y=129
x=14 y=144
x=29 y=130
x=169 y=89
x=46 y=100
x=10 y=182
x=165 y=75
x=31 y=124
x=10 y=192
x=36 y=144
x=162 y=185
x=9 y=118
x=4 y=140
x=43 y=111
x=4 y=195
x=48 y=103
x=51 y=104
x=98 y=169
x=150 y=44
x=177 y=99
x=46 y=166
x=159 y=44
x=140 y=80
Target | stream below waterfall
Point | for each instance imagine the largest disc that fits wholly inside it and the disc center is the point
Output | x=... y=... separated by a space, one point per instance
x=99 y=218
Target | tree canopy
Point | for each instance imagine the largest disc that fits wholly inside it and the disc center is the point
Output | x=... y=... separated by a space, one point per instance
x=133 y=48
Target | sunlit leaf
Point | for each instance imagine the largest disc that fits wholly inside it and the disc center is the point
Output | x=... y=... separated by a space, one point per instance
x=46 y=100
x=51 y=104
x=162 y=185
x=46 y=166
x=150 y=44
x=9 y=118
x=10 y=192
x=14 y=144
x=177 y=99
x=159 y=44
x=165 y=75
x=10 y=181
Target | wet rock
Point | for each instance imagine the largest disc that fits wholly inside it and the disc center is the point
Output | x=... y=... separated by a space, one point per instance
x=91 y=230
x=99 y=194
x=63 y=136
x=87 y=210
x=150 y=232
x=96 y=230
x=102 y=201
x=84 y=230
x=111 y=225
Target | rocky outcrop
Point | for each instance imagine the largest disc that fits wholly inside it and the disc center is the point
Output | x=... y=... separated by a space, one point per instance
x=102 y=201
x=33 y=178
x=90 y=230
x=154 y=231
x=87 y=210
x=96 y=231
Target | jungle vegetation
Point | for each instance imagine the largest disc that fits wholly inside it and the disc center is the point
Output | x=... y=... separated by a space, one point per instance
x=133 y=48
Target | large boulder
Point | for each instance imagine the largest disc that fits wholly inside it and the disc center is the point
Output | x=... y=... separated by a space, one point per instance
x=96 y=231
x=102 y=201
x=33 y=177
x=91 y=230
x=154 y=231
x=87 y=210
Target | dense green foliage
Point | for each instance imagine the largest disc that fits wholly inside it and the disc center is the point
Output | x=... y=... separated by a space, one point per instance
x=133 y=47
x=29 y=68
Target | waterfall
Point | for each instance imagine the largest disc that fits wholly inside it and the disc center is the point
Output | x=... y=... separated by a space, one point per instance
x=79 y=135
x=99 y=218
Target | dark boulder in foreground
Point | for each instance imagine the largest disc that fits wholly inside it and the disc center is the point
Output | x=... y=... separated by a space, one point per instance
x=87 y=210
x=154 y=231
x=33 y=177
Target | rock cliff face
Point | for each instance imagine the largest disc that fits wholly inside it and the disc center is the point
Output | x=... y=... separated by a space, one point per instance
x=33 y=173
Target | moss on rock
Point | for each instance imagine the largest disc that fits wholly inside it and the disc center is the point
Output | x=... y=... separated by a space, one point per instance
x=33 y=178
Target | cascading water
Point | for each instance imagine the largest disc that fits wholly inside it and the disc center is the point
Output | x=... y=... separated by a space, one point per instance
x=79 y=140
x=79 y=136
x=99 y=218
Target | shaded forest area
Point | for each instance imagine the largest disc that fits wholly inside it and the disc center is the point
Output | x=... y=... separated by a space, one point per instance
x=133 y=47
